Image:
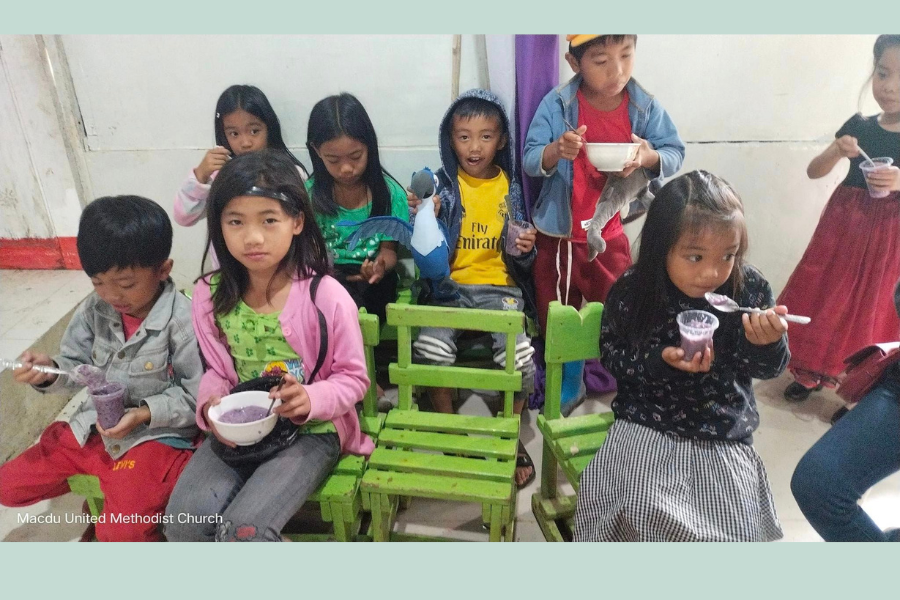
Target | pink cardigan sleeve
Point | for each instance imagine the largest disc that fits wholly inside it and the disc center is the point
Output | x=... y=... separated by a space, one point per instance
x=220 y=376
x=190 y=200
x=344 y=382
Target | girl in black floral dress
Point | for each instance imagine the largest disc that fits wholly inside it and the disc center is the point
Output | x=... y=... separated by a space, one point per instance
x=679 y=464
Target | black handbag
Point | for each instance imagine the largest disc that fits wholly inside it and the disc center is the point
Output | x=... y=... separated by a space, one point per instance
x=285 y=432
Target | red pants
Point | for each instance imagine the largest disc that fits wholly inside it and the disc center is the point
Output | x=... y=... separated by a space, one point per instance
x=590 y=280
x=137 y=484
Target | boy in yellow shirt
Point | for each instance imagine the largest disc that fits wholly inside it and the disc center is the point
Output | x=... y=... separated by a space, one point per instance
x=476 y=176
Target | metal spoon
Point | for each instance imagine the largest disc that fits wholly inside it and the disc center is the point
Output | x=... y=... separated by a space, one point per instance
x=277 y=389
x=727 y=305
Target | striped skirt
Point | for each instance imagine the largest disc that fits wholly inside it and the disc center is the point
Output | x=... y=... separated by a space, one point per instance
x=647 y=486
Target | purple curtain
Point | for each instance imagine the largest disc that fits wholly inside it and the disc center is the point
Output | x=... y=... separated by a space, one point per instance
x=537 y=72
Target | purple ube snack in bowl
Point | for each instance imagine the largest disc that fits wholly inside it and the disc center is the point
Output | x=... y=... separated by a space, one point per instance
x=245 y=414
x=243 y=405
x=696 y=328
x=109 y=401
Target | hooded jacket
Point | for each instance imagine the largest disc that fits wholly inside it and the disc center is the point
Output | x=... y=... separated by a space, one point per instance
x=519 y=267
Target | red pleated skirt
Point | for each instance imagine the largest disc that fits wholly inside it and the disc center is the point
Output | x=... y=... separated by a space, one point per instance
x=845 y=282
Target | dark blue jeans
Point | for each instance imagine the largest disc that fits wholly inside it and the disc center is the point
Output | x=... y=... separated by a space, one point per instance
x=860 y=450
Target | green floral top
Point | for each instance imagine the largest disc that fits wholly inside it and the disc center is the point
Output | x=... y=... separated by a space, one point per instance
x=336 y=237
x=257 y=344
x=259 y=349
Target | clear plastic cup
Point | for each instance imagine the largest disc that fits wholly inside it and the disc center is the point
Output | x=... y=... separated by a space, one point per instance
x=512 y=232
x=696 y=328
x=109 y=401
x=877 y=163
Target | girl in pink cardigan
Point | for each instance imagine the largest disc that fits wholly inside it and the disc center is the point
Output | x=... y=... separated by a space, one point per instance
x=269 y=311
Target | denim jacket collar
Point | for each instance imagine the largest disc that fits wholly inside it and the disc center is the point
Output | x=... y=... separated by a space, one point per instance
x=637 y=95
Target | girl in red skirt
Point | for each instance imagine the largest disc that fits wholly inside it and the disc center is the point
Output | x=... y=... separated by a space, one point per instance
x=846 y=276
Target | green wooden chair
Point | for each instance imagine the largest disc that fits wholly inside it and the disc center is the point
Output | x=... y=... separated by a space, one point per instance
x=569 y=443
x=446 y=456
x=338 y=496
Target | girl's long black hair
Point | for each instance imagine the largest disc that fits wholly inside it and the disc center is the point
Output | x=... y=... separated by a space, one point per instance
x=272 y=171
x=331 y=118
x=687 y=204
x=251 y=99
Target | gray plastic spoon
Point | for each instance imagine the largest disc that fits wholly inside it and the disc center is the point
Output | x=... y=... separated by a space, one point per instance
x=727 y=305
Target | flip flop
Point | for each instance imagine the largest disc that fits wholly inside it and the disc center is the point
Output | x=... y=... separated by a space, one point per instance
x=523 y=460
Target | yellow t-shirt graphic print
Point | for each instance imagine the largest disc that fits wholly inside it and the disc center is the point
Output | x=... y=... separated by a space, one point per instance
x=479 y=257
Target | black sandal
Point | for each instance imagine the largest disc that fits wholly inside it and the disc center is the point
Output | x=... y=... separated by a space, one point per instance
x=523 y=460
x=797 y=392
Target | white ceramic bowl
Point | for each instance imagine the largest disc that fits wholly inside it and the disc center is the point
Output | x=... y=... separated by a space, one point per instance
x=243 y=434
x=611 y=157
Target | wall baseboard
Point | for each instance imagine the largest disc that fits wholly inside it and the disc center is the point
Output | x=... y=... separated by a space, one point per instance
x=39 y=254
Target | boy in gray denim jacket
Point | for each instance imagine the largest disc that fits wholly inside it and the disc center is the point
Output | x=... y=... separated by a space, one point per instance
x=136 y=327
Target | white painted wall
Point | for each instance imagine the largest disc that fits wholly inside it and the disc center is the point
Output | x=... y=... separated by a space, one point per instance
x=148 y=102
x=38 y=197
x=753 y=109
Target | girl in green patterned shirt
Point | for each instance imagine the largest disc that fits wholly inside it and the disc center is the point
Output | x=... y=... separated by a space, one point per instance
x=349 y=184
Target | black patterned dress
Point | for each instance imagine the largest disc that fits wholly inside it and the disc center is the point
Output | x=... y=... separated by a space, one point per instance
x=678 y=464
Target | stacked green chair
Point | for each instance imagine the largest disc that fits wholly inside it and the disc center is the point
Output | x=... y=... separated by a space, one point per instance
x=569 y=443
x=446 y=456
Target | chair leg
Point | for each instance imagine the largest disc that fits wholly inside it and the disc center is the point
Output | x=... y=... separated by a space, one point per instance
x=509 y=521
x=382 y=523
x=342 y=528
x=496 y=522
x=549 y=474
x=548 y=525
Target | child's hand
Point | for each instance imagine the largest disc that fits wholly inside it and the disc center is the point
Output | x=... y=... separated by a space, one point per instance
x=414 y=201
x=700 y=363
x=213 y=160
x=847 y=146
x=294 y=399
x=130 y=420
x=570 y=143
x=525 y=240
x=765 y=328
x=25 y=374
x=373 y=271
x=884 y=180
x=646 y=158
x=213 y=400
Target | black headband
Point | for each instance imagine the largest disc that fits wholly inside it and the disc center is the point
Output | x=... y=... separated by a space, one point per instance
x=266 y=193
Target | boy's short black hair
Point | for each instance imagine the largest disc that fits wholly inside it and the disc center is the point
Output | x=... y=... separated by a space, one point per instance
x=468 y=108
x=603 y=40
x=123 y=231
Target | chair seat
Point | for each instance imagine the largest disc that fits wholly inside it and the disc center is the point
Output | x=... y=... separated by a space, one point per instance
x=575 y=440
x=371 y=426
x=480 y=467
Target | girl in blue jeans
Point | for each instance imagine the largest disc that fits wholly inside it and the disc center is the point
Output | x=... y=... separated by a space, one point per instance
x=859 y=451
